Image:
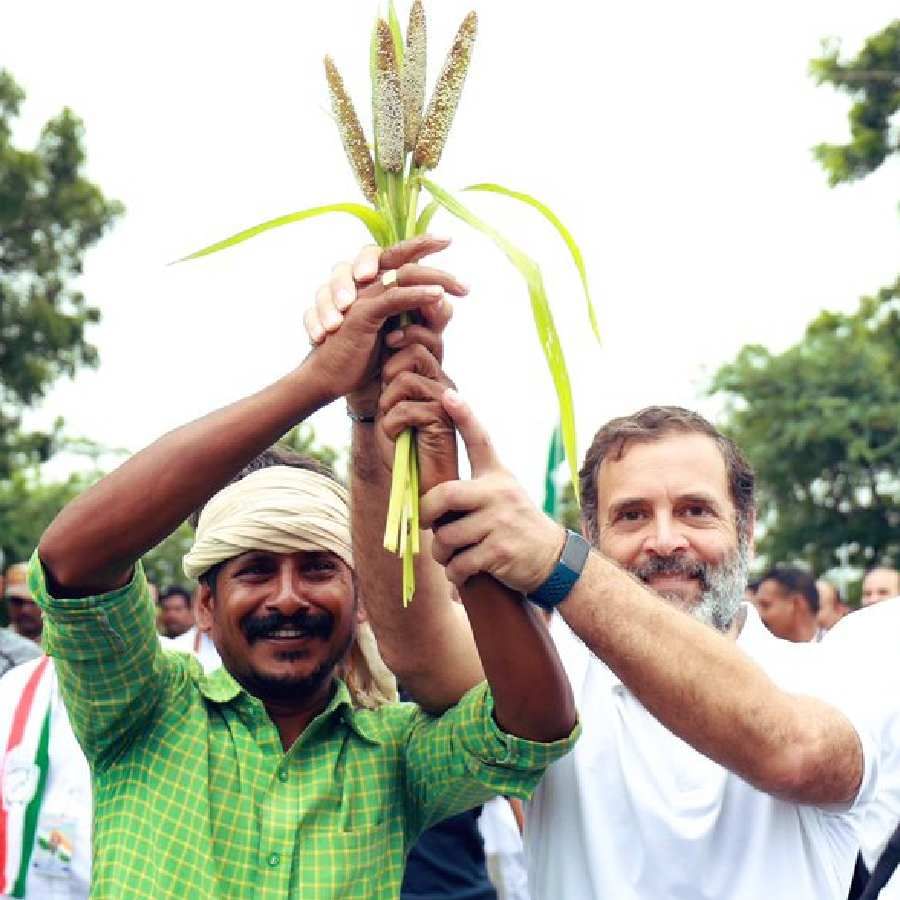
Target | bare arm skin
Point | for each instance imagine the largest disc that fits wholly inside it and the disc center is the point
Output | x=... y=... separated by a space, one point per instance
x=429 y=647
x=94 y=542
x=695 y=681
x=700 y=685
x=532 y=695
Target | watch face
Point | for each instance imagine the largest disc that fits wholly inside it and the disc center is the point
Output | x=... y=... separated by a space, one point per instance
x=575 y=552
x=20 y=780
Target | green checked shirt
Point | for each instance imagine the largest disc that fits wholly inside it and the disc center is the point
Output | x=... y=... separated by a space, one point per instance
x=195 y=797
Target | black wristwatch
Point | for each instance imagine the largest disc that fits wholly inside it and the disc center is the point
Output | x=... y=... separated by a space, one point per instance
x=571 y=561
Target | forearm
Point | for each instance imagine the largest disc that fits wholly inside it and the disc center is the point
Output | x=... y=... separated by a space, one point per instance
x=704 y=689
x=532 y=695
x=429 y=645
x=94 y=542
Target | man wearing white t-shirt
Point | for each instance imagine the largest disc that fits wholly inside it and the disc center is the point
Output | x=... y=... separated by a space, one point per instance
x=863 y=655
x=635 y=812
x=759 y=793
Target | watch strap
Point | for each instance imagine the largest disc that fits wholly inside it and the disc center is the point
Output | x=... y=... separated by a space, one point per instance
x=564 y=575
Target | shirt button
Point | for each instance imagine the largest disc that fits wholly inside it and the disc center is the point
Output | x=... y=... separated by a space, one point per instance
x=273 y=859
x=282 y=775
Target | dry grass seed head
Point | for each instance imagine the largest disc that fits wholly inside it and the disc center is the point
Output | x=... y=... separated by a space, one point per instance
x=387 y=106
x=445 y=99
x=412 y=80
x=352 y=135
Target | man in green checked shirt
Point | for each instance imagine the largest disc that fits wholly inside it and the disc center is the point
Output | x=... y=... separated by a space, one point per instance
x=263 y=779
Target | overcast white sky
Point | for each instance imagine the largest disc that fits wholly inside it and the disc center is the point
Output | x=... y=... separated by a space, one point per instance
x=673 y=139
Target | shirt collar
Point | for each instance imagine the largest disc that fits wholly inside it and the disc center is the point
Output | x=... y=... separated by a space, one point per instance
x=220 y=687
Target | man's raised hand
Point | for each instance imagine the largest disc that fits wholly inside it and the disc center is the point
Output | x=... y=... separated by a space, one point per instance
x=411 y=398
x=365 y=279
x=488 y=524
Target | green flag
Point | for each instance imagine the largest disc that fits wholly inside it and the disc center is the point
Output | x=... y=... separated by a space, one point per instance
x=556 y=456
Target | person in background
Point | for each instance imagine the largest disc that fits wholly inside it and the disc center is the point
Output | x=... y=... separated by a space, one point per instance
x=24 y=614
x=880 y=583
x=750 y=591
x=788 y=603
x=176 y=612
x=15 y=649
x=832 y=607
x=45 y=826
x=195 y=641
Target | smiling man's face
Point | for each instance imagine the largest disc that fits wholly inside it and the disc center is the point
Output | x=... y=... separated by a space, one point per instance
x=281 y=621
x=664 y=512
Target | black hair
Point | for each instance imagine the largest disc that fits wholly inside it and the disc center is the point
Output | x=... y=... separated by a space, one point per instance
x=174 y=590
x=795 y=581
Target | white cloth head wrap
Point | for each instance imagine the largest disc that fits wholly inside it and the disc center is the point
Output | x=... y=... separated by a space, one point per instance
x=281 y=509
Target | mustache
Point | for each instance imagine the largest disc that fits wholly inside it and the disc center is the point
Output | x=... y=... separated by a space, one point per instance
x=672 y=565
x=313 y=625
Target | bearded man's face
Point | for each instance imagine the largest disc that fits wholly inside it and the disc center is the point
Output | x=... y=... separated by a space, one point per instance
x=664 y=512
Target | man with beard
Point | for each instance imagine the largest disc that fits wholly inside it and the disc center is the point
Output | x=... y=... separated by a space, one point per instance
x=700 y=773
x=269 y=777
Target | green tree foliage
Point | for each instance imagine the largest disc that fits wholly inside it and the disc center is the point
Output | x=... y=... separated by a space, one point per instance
x=872 y=79
x=28 y=505
x=819 y=423
x=162 y=564
x=50 y=214
x=302 y=439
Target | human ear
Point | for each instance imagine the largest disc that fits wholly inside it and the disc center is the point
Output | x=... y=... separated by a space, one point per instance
x=203 y=610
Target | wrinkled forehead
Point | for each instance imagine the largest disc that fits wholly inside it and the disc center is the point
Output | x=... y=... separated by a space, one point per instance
x=675 y=466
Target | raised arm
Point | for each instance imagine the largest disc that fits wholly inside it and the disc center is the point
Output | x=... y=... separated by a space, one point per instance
x=430 y=647
x=94 y=542
x=531 y=693
x=698 y=683
x=99 y=618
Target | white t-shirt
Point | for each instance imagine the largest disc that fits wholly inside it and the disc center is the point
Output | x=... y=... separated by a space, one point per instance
x=634 y=813
x=503 y=850
x=864 y=649
x=67 y=797
x=198 y=643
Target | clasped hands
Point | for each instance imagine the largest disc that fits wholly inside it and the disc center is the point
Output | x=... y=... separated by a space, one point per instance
x=486 y=524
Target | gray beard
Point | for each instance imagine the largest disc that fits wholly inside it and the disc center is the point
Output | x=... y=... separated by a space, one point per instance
x=723 y=586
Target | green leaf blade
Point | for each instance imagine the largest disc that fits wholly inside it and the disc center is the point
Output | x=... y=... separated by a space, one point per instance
x=373 y=220
x=424 y=220
x=543 y=319
x=564 y=233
